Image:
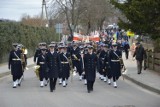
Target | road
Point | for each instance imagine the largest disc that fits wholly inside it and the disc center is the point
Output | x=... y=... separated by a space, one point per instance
x=74 y=95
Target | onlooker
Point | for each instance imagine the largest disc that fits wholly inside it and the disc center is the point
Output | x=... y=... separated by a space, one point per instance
x=140 y=55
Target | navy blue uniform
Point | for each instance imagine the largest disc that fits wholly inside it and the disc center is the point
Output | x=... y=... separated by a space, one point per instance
x=54 y=66
x=43 y=67
x=115 y=64
x=101 y=61
x=64 y=57
x=37 y=53
x=75 y=55
x=15 y=64
x=106 y=65
x=90 y=62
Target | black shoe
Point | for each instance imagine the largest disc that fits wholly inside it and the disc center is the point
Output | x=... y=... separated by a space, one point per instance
x=89 y=91
x=51 y=90
x=19 y=85
x=14 y=87
x=139 y=72
x=145 y=68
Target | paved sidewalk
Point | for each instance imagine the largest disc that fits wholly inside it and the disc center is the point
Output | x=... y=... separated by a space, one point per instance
x=4 y=67
x=148 y=79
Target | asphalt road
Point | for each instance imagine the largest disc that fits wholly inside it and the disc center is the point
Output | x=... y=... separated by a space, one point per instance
x=74 y=95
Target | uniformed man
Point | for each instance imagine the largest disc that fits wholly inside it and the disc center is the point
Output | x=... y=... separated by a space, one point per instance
x=105 y=65
x=15 y=65
x=75 y=55
x=64 y=57
x=90 y=62
x=101 y=62
x=54 y=66
x=37 y=52
x=43 y=73
x=115 y=64
x=60 y=73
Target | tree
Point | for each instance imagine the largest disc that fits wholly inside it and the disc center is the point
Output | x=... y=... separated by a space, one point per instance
x=143 y=16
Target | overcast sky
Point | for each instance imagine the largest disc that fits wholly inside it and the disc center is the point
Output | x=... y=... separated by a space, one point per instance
x=14 y=9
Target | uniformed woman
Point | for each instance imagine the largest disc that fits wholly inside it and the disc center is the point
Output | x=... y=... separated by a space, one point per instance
x=15 y=65
x=115 y=65
x=64 y=57
x=43 y=67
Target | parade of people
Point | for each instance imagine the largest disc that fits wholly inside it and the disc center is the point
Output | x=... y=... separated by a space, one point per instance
x=84 y=58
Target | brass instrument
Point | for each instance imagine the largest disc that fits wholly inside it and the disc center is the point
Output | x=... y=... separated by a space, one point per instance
x=71 y=67
x=37 y=68
x=23 y=60
x=75 y=57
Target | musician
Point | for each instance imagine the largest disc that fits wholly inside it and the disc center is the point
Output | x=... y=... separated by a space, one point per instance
x=101 y=62
x=60 y=73
x=75 y=55
x=90 y=62
x=115 y=64
x=81 y=62
x=41 y=61
x=15 y=65
x=105 y=65
x=64 y=57
x=54 y=66
x=37 y=52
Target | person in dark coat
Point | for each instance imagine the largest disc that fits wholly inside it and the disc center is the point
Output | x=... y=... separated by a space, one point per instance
x=90 y=62
x=15 y=65
x=101 y=62
x=37 y=52
x=43 y=73
x=75 y=55
x=106 y=66
x=54 y=66
x=126 y=49
x=115 y=64
x=140 y=55
x=64 y=57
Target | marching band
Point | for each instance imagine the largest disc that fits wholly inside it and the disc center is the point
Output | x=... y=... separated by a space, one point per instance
x=60 y=61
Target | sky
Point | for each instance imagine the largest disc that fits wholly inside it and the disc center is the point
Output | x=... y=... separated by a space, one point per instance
x=15 y=9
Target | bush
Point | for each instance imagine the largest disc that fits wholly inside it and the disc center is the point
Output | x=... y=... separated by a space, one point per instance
x=29 y=36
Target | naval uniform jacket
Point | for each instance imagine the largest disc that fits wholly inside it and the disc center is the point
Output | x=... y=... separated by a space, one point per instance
x=15 y=63
x=43 y=65
x=115 y=63
x=90 y=62
x=37 y=53
x=53 y=64
x=64 y=57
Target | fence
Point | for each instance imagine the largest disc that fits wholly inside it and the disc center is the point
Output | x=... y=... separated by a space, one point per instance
x=153 y=61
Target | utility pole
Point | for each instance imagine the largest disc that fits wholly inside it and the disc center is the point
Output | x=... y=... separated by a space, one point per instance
x=44 y=16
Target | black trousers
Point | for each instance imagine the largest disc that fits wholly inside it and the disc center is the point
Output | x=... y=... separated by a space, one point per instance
x=90 y=85
x=15 y=77
x=126 y=53
x=52 y=83
x=115 y=78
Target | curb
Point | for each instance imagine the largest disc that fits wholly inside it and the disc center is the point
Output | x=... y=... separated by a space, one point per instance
x=155 y=90
x=9 y=72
